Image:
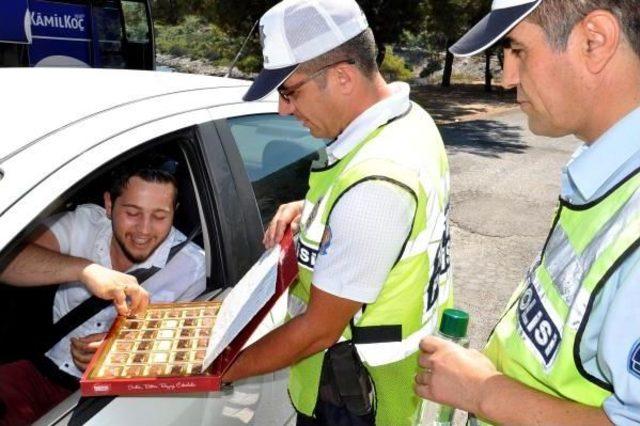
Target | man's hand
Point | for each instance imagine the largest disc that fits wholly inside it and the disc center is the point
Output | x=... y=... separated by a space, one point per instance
x=108 y=284
x=466 y=379
x=452 y=375
x=287 y=214
x=83 y=348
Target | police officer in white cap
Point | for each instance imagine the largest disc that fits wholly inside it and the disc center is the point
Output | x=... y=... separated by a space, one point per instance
x=373 y=237
x=567 y=349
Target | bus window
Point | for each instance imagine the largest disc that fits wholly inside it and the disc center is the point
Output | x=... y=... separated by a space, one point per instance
x=13 y=55
x=108 y=36
x=135 y=21
x=77 y=33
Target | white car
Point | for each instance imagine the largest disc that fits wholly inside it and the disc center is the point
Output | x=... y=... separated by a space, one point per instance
x=63 y=129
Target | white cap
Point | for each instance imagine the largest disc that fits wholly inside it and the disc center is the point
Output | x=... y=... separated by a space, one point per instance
x=295 y=31
x=504 y=15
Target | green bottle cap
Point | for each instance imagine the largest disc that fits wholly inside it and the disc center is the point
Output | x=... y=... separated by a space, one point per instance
x=454 y=323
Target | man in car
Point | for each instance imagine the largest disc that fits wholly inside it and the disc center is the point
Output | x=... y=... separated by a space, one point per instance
x=373 y=242
x=567 y=349
x=90 y=250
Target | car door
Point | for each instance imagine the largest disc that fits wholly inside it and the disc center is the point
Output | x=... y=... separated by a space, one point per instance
x=219 y=206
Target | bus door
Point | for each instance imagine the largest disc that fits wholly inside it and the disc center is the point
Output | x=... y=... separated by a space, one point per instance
x=108 y=35
x=15 y=32
x=61 y=34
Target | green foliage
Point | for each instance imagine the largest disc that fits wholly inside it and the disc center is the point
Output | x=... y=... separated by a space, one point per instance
x=422 y=40
x=448 y=20
x=195 y=38
x=389 y=18
x=251 y=63
x=394 y=68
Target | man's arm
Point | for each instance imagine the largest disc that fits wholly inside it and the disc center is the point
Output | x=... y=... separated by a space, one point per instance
x=315 y=330
x=40 y=263
x=466 y=379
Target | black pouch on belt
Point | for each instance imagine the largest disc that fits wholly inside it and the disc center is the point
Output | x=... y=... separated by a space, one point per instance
x=345 y=381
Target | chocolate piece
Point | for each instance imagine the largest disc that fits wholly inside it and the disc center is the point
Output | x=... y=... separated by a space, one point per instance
x=174 y=313
x=111 y=371
x=119 y=358
x=192 y=313
x=204 y=332
x=181 y=356
x=124 y=346
x=178 y=370
x=144 y=345
x=184 y=344
x=152 y=324
x=156 y=370
x=187 y=332
x=132 y=324
x=140 y=357
x=149 y=334
x=155 y=314
x=189 y=322
x=196 y=369
x=199 y=356
x=127 y=335
x=134 y=370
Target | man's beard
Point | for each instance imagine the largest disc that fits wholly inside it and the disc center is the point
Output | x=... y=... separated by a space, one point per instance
x=130 y=256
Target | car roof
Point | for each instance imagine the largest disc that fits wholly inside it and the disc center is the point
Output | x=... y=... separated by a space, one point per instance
x=38 y=101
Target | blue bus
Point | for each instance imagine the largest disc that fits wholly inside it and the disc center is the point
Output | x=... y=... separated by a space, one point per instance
x=77 y=33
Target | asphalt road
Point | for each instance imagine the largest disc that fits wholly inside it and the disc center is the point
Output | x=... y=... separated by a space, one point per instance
x=504 y=188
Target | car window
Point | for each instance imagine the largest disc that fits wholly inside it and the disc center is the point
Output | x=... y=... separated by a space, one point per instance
x=86 y=200
x=277 y=153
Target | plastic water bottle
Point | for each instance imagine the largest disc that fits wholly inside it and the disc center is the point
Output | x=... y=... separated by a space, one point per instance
x=453 y=327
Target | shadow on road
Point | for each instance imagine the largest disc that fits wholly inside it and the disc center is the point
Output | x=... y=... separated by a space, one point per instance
x=461 y=101
x=488 y=138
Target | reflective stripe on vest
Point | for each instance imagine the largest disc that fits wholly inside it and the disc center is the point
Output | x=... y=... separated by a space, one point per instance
x=537 y=341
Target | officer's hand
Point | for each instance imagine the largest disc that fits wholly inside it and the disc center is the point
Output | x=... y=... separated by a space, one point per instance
x=287 y=214
x=452 y=375
x=83 y=348
x=108 y=284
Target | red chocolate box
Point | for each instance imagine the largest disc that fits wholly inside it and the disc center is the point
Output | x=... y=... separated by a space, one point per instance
x=187 y=347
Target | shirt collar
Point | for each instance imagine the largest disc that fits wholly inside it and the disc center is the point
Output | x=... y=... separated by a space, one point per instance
x=593 y=165
x=372 y=118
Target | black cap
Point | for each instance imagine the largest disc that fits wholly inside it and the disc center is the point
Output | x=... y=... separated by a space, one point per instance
x=267 y=81
x=504 y=15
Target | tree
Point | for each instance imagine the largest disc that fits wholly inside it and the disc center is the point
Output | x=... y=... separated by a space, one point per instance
x=173 y=11
x=450 y=19
x=387 y=18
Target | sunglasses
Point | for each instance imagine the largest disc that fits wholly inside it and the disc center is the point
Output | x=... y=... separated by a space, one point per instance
x=287 y=92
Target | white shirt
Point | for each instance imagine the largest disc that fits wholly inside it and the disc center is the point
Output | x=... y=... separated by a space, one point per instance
x=86 y=233
x=371 y=221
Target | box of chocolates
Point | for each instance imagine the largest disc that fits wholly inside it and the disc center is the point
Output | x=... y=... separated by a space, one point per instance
x=187 y=347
